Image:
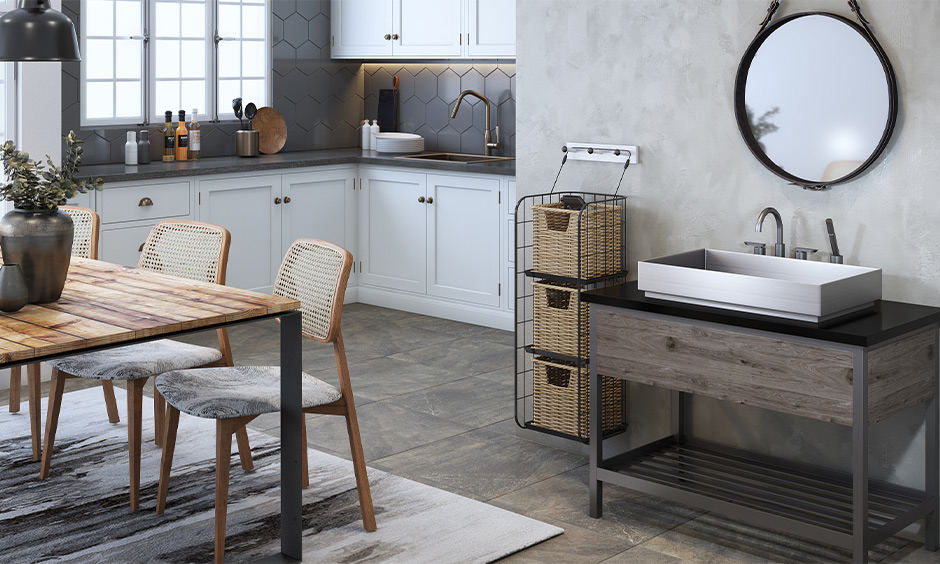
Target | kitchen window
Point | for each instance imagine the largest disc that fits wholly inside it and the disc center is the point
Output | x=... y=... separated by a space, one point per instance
x=143 y=57
x=7 y=106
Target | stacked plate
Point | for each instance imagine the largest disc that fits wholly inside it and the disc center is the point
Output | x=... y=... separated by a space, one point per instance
x=398 y=143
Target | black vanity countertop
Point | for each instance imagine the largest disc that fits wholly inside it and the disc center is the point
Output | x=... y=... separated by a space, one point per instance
x=887 y=320
x=228 y=165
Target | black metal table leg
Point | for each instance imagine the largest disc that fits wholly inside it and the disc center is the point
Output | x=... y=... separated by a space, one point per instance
x=860 y=456
x=932 y=470
x=595 y=487
x=291 y=420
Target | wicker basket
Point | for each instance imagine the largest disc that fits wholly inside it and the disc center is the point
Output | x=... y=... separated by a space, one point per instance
x=561 y=398
x=557 y=232
x=557 y=323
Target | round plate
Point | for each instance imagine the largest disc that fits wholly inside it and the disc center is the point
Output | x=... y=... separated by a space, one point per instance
x=272 y=130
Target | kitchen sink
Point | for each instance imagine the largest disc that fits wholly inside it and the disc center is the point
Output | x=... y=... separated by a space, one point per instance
x=803 y=290
x=457 y=158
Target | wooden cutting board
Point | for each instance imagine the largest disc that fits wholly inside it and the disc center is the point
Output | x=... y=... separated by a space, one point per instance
x=272 y=130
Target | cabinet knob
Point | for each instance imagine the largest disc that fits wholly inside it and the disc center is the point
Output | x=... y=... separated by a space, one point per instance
x=286 y=199
x=277 y=201
x=430 y=200
x=144 y=202
x=394 y=37
x=141 y=248
x=420 y=199
x=387 y=37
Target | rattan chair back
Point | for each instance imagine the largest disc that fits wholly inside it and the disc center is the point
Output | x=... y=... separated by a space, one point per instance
x=87 y=223
x=315 y=272
x=189 y=249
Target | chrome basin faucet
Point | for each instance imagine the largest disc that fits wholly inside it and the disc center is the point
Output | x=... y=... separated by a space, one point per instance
x=780 y=249
x=488 y=146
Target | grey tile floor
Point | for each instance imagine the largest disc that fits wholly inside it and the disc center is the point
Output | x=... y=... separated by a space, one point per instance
x=435 y=404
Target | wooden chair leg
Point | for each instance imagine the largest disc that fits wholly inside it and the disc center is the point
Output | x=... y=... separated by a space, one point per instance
x=244 y=449
x=223 y=460
x=107 y=386
x=56 y=386
x=15 y=382
x=159 y=417
x=135 y=401
x=166 y=462
x=34 y=391
x=304 y=469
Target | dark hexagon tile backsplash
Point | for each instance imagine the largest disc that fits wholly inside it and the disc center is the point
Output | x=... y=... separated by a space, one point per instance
x=323 y=101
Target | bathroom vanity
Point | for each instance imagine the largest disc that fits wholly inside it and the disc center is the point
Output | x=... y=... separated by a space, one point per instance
x=854 y=373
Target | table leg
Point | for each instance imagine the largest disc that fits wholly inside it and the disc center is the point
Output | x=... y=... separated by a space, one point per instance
x=932 y=471
x=34 y=391
x=860 y=456
x=595 y=486
x=291 y=420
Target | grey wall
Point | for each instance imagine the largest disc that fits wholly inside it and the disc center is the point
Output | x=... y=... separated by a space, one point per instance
x=660 y=75
x=428 y=91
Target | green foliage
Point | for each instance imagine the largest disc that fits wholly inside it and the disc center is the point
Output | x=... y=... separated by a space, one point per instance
x=32 y=186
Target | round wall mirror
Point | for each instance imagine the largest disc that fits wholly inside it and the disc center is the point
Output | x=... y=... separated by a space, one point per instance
x=815 y=99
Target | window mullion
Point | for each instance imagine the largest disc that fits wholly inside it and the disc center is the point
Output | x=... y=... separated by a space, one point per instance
x=213 y=61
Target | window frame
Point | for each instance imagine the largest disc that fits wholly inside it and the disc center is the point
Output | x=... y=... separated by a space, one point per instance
x=8 y=111
x=151 y=115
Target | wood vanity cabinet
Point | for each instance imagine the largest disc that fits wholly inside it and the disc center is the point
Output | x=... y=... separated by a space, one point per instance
x=427 y=29
x=853 y=374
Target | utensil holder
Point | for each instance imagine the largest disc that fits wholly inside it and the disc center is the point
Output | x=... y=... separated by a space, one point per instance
x=247 y=143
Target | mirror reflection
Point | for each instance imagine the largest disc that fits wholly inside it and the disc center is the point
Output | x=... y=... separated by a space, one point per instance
x=817 y=98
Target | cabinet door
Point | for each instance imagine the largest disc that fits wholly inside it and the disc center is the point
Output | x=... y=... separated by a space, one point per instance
x=492 y=29
x=359 y=28
x=122 y=245
x=322 y=206
x=427 y=28
x=392 y=234
x=246 y=207
x=463 y=238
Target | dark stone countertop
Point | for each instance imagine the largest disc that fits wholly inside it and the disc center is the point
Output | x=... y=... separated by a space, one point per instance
x=886 y=321
x=228 y=165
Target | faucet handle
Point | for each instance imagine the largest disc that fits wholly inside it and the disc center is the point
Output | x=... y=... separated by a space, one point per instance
x=803 y=253
x=759 y=248
x=495 y=145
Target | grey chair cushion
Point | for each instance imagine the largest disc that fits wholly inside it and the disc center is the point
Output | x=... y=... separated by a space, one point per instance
x=141 y=360
x=223 y=393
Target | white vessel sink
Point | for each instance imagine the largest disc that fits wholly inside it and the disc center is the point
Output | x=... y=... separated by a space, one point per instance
x=782 y=287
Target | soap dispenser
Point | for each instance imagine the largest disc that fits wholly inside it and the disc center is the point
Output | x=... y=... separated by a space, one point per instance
x=366 y=135
x=374 y=129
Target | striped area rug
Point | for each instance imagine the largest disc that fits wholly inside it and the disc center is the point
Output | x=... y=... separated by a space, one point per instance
x=81 y=513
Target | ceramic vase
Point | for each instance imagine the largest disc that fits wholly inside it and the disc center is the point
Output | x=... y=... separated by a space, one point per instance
x=13 y=291
x=40 y=241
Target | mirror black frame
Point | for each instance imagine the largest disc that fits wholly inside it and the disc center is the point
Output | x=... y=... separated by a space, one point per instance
x=744 y=126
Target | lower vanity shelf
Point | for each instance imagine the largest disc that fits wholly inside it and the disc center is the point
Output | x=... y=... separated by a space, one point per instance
x=806 y=500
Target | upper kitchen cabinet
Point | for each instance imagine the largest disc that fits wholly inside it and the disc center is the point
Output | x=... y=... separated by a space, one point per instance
x=423 y=29
x=491 y=30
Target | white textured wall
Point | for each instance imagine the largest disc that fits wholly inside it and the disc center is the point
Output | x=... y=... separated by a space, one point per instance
x=660 y=74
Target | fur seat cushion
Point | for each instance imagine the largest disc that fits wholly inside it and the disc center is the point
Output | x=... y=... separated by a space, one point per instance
x=136 y=361
x=223 y=393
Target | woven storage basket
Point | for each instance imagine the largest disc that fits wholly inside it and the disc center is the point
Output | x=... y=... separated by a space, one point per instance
x=559 y=385
x=557 y=325
x=556 y=234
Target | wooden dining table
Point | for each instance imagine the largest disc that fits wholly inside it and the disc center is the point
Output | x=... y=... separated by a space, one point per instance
x=106 y=305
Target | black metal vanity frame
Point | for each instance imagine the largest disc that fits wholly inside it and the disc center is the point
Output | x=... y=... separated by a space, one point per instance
x=833 y=507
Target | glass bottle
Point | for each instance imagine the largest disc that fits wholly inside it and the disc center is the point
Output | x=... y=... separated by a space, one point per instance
x=182 y=139
x=169 y=138
x=195 y=140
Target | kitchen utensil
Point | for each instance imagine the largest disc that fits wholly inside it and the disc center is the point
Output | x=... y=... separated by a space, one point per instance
x=272 y=128
x=386 y=142
x=237 y=106
x=250 y=112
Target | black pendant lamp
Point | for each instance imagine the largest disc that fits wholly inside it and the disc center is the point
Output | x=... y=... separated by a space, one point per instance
x=36 y=32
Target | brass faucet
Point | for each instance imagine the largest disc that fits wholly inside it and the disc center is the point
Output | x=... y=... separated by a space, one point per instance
x=488 y=146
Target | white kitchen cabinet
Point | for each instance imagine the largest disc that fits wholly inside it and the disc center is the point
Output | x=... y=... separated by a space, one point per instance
x=463 y=238
x=393 y=229
x=426 y=29
x=246 y=206
x=431 y=234
x=129 y=210
x=266 y=213
x=491 y=29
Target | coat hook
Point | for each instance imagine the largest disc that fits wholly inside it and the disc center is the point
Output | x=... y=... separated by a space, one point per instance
x=590 y=150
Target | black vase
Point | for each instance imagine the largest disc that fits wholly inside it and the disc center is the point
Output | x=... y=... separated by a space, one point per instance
x=40 y=241
x=13 y=291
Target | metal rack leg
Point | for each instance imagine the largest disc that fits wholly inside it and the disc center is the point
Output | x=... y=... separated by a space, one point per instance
x=860 y=456
x=932 y=470
x=595 y=487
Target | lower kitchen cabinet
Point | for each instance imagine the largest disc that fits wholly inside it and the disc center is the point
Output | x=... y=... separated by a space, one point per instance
x=431 y=234
x=266 y=213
